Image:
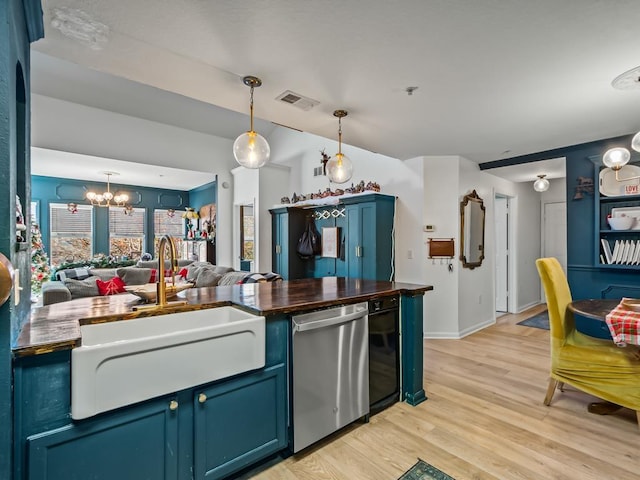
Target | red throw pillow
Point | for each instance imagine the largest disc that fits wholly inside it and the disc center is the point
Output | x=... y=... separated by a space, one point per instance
x=183 y=273
x=111 y=287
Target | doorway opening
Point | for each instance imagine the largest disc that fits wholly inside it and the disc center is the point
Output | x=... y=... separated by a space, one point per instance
x=502 y=205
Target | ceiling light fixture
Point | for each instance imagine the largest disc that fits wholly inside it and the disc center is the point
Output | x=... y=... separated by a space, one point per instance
x=541 y=184
x=251 y=149
x=617 y=157
x=107 y=199
x=339 y=167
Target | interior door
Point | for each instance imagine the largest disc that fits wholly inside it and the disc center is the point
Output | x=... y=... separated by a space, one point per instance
x=502 y=253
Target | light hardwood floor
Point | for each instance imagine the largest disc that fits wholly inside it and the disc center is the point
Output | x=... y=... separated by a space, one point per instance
x=484 y=419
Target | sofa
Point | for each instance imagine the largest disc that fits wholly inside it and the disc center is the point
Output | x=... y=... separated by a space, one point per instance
x=90 y=282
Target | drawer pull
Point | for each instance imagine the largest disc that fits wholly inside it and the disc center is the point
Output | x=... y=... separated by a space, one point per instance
x=173 y=405
x=202 y=398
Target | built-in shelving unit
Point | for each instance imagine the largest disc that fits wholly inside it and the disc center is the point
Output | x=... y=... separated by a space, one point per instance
x=628 y=240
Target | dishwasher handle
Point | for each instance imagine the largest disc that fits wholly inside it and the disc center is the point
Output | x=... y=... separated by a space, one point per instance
x=327 y=322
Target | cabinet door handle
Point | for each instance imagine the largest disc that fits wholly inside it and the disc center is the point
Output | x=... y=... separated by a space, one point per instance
x=202 y=398
x=173 y=405
x=358 y=251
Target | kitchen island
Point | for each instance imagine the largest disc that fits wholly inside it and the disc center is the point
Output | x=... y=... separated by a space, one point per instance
x=210 y=430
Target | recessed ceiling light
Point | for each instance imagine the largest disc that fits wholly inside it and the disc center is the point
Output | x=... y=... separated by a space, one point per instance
x=629 y=80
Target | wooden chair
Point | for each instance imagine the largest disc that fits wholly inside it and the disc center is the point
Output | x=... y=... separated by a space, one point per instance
x=592 y=365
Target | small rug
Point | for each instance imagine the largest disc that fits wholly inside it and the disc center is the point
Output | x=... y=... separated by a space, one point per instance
x=423 y=471
x=538 y=321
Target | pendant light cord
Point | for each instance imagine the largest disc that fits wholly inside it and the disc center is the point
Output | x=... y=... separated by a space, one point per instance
x=251 y=107
x=339 y=135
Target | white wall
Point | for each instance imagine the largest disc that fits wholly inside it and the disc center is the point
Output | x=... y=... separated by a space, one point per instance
x=441 y=209
x=301 y=152
x=262 y=189
x=70 y=127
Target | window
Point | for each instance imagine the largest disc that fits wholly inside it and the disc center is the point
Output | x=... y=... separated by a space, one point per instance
x=126 y=232
x=169 y=222
x=70 y=233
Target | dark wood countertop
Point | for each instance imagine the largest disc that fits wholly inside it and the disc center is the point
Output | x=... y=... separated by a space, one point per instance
x=57 y=327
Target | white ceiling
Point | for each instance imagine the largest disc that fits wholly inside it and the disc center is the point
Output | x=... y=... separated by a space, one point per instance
x=495 y=79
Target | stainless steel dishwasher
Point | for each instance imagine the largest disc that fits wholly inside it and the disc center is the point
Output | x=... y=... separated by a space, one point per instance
x=330 y=371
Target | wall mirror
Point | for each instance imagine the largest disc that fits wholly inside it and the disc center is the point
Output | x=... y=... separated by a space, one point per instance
x=472 y=230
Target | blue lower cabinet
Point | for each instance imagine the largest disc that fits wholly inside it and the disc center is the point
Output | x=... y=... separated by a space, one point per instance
x=138 y=443
x=239 y=422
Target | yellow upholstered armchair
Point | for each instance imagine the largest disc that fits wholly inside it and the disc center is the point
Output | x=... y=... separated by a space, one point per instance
x=595 y=366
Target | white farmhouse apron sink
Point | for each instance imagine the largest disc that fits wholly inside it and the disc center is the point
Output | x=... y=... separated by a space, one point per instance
x=123 y=362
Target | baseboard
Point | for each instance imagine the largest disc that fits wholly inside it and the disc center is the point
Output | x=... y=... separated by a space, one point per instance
x=528 y=306
x=461 y=334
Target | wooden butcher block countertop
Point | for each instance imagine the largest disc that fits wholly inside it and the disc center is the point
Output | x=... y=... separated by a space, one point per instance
x=57 y=327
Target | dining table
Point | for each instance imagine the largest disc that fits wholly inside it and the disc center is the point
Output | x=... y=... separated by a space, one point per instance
x=616 y=319
x=590 y=316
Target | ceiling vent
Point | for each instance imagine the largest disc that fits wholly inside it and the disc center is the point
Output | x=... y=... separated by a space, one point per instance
x=297 y=100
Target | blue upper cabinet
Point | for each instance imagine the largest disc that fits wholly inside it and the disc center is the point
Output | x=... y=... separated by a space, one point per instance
x=364 y=239
x=287 y=225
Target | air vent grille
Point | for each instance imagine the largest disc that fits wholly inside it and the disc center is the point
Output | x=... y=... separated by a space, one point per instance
x=297 y=100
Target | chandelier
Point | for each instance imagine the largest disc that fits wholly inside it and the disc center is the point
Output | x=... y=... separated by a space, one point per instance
x=107 y=199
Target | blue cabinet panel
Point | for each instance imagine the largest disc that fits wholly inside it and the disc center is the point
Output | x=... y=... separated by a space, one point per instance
x=365 y=241
x=239 y=422
x=287 y=226
x=138 y=443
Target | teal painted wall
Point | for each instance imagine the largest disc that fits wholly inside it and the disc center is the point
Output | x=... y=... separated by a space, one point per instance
x=46 y=190
x=20 y=22
x=204 y=195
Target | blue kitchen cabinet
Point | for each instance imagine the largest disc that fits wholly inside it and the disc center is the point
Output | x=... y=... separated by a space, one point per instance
x=369 y=238
x=136 y=443
x=240 y=422
x=205 y=432
x=287 y=226
x=365 y=242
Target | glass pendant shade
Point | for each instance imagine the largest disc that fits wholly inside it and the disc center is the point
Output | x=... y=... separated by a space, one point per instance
x=635 y=142
x=339 y=168
x=541 y=184
x=251 y=150
x=616 y=158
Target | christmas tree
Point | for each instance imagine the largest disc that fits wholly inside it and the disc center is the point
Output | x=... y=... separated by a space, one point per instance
x=40 y=270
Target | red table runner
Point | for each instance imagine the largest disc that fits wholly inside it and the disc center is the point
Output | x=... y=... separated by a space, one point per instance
x=624 y=325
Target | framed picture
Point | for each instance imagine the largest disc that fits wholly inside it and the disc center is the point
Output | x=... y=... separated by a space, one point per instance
x=330 y=242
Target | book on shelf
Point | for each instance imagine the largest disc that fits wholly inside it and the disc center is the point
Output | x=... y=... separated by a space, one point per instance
x=606 y=248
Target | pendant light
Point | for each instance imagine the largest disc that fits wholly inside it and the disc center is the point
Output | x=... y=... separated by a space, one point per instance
x=251 y=149
x=339 y=167
x=541 y=184
x=618 y=157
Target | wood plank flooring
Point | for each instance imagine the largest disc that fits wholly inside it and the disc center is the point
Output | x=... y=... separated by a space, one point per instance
x=484 y=419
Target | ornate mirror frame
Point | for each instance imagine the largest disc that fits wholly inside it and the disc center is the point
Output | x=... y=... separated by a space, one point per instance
x=472 y=220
